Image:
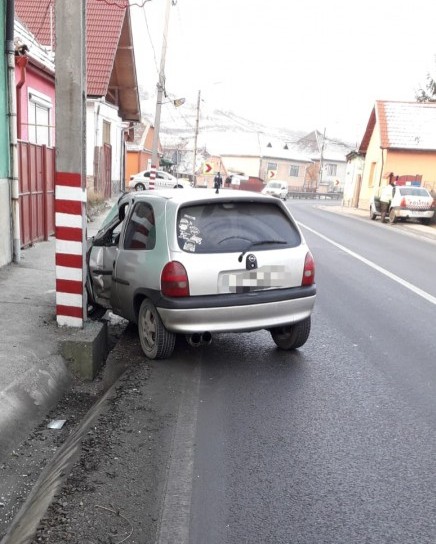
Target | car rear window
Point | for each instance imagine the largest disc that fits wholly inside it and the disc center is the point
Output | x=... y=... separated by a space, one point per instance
x=413 y=191
x=222 y=227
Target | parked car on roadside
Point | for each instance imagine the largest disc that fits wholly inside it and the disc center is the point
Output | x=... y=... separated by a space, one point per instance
x=408 y=202
x=164 y=180
x=276 y=188
x=196 y=263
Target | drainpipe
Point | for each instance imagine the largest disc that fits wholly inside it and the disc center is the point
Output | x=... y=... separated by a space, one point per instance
x=382 y=166
x=21 y=62
x=13 y=146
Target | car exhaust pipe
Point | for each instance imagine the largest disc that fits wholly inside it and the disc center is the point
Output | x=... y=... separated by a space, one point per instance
x=206 y=338
x=197 y=339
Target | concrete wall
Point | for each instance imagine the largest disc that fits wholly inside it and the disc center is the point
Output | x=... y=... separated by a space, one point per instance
x=5 y=208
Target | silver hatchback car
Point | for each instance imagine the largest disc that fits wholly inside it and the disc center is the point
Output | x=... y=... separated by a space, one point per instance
x=196 y=263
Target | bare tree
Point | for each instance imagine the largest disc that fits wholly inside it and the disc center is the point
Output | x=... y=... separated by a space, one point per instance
x=428 y=94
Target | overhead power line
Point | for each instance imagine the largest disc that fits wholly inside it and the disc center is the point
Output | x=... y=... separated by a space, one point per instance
x=123 y=4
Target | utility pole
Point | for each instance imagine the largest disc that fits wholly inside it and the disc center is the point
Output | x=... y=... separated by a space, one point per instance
x=194 y=177
x=321 y=162
x=160 y=94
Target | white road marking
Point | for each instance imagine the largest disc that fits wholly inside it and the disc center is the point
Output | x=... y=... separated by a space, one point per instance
x=176 y=512
x=404 y=283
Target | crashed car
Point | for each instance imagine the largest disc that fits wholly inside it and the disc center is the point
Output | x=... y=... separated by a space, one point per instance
x=197 y=263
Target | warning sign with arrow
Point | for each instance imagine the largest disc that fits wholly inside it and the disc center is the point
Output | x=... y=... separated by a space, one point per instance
x=272 y=174
x=207 y=168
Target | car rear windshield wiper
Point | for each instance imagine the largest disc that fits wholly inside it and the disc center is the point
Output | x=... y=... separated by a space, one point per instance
x=261 y=243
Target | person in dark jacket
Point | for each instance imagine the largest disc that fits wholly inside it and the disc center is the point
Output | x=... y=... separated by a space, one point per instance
x=217 y=181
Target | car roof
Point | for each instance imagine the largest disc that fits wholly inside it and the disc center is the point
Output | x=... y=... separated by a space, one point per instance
x=194 y=195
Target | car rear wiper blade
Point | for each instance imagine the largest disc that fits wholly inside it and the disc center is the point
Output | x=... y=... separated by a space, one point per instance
x=260 y=243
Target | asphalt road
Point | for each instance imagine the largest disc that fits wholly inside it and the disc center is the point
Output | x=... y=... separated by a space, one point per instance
x=238 y=442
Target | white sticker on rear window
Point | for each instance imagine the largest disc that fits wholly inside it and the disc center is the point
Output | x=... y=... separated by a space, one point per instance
x=189 y=246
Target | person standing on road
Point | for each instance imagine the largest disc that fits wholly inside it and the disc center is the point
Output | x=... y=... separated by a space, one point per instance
x=217 y=181
x=385 y=199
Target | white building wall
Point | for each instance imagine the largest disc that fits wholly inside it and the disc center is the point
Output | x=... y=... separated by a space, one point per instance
x=5 y=223
x=98 y=111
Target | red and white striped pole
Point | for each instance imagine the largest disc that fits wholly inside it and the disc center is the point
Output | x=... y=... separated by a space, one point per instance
x=70 y=186
x=70 y=225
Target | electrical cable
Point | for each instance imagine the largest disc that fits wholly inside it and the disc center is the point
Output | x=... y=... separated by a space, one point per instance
x=124 y=4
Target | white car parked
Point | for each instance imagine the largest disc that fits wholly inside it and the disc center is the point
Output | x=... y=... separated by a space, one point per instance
x=408 y=202
x=164 y=180
x=276 y=188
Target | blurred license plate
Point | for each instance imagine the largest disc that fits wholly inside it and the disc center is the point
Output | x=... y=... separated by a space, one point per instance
x=245 y=281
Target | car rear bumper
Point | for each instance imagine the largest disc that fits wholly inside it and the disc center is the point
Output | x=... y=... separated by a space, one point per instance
x=413 y=214
x=237 y=318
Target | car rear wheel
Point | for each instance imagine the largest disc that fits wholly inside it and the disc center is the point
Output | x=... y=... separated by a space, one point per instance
x=425 y=221
x=292 y=336
x=392 y=217
x=156 y=341
x=139 y=187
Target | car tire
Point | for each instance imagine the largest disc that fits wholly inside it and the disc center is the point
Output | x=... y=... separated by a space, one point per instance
x=392 y=216
x=292 y=336
x=425 y=221
x=372 y=214
x=156 y=341
x=139 y=187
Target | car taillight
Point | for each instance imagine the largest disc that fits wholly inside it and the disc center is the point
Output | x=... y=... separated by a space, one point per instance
x=174 y=280
x=433 y=204
x=309 y=271
x=403 y=203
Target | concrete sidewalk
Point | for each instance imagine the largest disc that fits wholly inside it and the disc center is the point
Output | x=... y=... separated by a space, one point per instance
x=33 y=374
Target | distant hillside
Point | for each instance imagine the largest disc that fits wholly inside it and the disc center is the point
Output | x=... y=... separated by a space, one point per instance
x=218 y=132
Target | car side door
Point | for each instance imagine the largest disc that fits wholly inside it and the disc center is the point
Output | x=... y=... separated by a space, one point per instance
x=102 y=257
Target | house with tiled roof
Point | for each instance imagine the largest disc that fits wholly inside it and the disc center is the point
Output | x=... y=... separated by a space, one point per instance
x=329 y=157
x=259 y=156
x=400 y=143
x=112 y=91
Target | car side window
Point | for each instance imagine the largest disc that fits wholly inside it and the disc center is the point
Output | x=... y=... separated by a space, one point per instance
x=141 y=230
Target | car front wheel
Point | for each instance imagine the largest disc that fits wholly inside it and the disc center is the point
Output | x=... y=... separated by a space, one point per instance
x=292 y=336
x=156 y=341
x=139 y=187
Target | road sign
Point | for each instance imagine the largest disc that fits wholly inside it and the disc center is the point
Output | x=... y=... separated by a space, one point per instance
x=272 y=174
x=207 y=168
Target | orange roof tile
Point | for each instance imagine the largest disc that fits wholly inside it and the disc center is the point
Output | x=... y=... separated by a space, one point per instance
x=104 y=25
x=402 y=125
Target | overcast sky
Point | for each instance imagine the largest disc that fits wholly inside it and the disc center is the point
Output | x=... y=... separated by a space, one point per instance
x=302 y=65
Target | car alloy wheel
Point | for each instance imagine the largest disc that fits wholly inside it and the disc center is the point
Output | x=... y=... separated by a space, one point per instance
x=139 y=187
x=156 y=341
x=291 y=336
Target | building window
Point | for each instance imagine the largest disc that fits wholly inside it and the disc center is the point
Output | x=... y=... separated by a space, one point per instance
x=39 y=115
x=294 y=170
x=272 y=166
x=371 y=175
x=106 y=132
x=331 y=169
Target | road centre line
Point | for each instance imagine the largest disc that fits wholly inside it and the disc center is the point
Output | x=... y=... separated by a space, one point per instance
x=404 y=283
